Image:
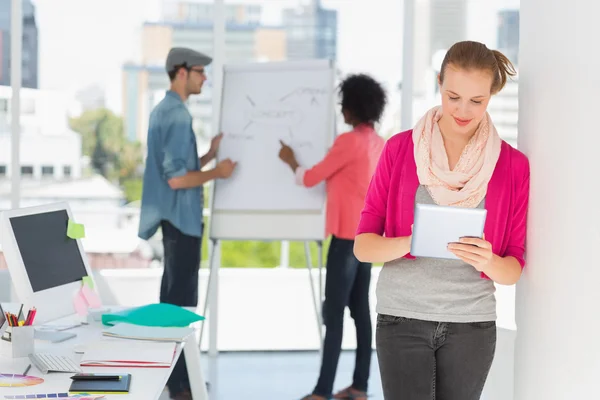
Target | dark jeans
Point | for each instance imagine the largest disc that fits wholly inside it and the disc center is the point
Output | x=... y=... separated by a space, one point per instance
x=179 y=286
x=347 y=284
x=425 y=360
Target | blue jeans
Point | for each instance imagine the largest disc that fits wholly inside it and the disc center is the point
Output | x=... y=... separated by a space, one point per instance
x=179 y=286
x=347 y=284
x=424 y=360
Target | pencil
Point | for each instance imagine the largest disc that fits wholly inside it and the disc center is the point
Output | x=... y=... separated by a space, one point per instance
x=27 y=369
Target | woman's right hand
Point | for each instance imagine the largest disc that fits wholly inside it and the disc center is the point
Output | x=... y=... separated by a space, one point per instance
x=286 y=154
x=374 y=248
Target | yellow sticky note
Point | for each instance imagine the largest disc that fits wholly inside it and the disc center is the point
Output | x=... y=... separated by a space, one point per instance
x=87 y=281
x=75 y=231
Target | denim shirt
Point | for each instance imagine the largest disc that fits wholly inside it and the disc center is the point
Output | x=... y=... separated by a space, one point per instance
x=172 y=152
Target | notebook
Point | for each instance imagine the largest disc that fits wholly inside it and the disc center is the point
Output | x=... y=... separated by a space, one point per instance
x=129 y=353
x=101 y=387
x=152 y=333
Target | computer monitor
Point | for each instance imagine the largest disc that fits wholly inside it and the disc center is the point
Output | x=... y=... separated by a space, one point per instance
x=46 y=266
x=3 y=321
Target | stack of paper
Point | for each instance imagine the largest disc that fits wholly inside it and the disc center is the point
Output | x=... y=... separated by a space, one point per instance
x=152 y=333
x=129 y=353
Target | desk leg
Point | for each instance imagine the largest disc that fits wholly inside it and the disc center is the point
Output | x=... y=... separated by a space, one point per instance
x=191 y=351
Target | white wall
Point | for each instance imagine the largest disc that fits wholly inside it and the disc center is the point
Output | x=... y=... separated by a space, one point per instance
x=558 y=316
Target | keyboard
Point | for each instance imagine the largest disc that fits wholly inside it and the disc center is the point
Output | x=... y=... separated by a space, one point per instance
x=46 y=362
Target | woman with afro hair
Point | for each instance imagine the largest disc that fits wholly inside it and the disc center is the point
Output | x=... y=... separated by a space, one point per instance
x=347 y=170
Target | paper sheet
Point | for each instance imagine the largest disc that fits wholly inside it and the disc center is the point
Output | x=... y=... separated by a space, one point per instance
x=81 y=305
x=92 y=299
x=129 y=353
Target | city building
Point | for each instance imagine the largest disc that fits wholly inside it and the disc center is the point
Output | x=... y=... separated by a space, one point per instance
x=438 y=25
x=196 y=11
x=111 y=232
x=44 y=134
x=504 y=111
x=189 y=24
x=311 y=32
x=29 y=69
x=508 y=34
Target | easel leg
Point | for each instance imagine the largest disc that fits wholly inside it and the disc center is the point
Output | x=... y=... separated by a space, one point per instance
x=191 y=352
x=312 y=289
x=213 y=311
x=211 y=299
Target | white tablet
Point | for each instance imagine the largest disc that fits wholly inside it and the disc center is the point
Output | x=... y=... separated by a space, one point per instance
x=437 y=226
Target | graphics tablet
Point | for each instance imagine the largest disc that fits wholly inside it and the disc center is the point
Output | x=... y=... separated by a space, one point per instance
x=437 y=226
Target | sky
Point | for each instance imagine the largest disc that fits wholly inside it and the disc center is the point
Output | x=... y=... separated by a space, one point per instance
x=85 y=42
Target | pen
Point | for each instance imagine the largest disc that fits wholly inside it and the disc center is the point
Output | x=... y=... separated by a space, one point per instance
x=27 y=369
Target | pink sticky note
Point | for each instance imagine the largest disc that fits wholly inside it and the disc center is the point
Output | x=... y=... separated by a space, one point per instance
x=80 y=303
x=92 y=299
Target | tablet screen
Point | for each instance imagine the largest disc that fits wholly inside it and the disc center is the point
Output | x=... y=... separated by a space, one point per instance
x=437 y=226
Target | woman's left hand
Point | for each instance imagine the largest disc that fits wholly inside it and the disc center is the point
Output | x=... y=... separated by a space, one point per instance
x=474 y=251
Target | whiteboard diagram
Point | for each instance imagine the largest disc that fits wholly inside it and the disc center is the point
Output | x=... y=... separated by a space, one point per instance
x=283 y=116
x=260 y=108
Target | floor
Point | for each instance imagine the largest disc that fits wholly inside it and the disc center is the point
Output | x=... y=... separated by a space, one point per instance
x=276 y=375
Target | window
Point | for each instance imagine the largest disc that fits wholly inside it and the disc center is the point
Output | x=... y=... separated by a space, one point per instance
x=27 y=170
x=2 y=171
x=67 y=171
x=47 y=171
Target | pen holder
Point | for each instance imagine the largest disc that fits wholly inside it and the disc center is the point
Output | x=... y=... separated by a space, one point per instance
x=22 y=340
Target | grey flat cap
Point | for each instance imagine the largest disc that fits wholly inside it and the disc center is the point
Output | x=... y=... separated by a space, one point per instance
x=191 y=58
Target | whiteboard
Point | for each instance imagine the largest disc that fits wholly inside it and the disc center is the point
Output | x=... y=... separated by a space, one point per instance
x=261 y=104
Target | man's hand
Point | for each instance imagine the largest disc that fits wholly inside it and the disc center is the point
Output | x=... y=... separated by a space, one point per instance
x=214 y=144
x=225 y=168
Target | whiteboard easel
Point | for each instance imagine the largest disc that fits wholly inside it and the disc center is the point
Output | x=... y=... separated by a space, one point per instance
x=262 y=103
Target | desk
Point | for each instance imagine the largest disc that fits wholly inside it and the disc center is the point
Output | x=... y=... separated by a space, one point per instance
x=146 y=383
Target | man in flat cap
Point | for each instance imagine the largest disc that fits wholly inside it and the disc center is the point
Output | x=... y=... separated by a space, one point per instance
x=172 y=196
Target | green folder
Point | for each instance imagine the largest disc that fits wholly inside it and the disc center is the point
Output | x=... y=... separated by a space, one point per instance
x=162 y=314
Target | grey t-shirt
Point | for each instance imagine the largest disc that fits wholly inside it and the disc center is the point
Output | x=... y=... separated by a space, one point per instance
x=434 y=289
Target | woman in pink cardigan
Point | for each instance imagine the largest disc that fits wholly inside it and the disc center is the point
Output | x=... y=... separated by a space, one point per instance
x=347 y=170
x=436 y=329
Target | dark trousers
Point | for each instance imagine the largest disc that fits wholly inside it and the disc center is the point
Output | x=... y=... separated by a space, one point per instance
x=347 y=284
x=179 y=286
x=424 y=360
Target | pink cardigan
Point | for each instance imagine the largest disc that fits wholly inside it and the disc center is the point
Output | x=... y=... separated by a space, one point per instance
x=389 y=205
x=347 y=168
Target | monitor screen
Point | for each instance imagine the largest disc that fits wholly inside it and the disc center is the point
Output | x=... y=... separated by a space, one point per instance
x=2 y=320
x=51 y=258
